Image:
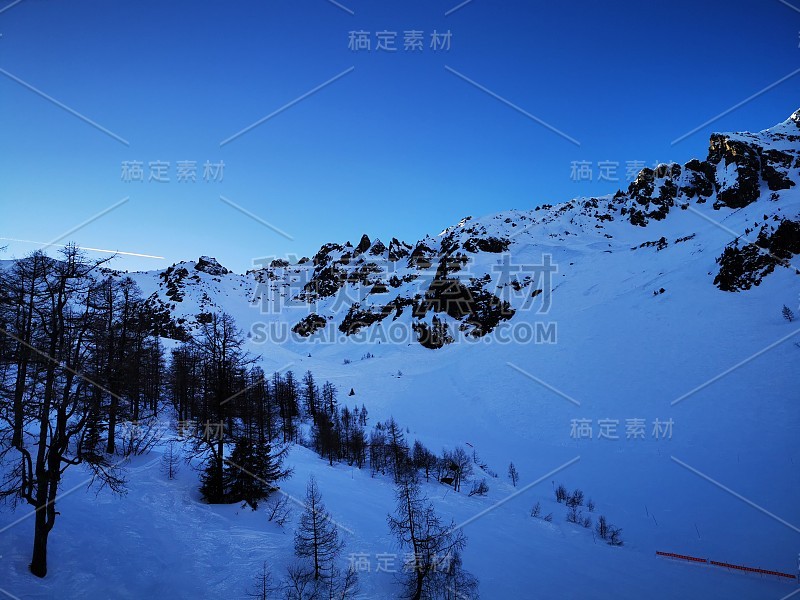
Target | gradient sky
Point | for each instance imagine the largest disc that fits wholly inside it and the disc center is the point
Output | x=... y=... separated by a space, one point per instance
x=398 y=146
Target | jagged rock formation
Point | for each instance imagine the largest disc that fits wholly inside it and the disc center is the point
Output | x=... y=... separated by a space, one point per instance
x=455 y=283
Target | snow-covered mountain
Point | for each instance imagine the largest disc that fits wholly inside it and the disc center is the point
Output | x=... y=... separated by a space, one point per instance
x=479 y=273
x=514 y=335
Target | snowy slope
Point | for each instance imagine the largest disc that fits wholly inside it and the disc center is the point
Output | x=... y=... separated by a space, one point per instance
x=623 y=350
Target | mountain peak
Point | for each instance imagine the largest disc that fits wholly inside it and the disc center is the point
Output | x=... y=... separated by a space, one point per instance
x=210 y=265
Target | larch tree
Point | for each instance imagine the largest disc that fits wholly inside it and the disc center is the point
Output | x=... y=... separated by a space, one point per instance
x=513 y=474
x=317 y=536
x=423 y=536
x=61 y=325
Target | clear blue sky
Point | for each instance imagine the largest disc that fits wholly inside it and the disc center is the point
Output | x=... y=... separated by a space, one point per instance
x=399 y=146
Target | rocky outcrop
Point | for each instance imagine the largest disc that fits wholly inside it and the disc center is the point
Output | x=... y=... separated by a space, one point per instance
x=208 y=264
x=745 y=267
x=775 y=167
x=398 y=250
x=698 y=181
x=738 y=176
x=309 y=325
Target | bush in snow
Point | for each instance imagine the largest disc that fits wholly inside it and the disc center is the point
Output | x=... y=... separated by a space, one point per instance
x=615 y=536
x=561 y=493
x=479 y=488
x=608 y=532
x=787 y=313
x=574 y=515
x=575 y=499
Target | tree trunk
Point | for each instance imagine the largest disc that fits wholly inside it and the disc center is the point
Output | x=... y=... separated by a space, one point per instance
x=38 y=564
x=112 y=426
x=42 y=527
x=418 y=590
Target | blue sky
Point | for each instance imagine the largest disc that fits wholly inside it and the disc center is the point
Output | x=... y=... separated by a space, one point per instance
x=398 y=146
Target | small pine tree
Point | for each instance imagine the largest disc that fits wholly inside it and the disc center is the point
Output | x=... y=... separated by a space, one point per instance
x=787 y=313
x=513 y=474
x=317 y=537
x=252 y=472
x=211 y=488
x=170 y=460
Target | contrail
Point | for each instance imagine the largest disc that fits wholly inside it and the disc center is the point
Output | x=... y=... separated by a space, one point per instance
x=84 y=248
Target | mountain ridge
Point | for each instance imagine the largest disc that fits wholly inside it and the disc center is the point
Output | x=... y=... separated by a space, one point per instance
x=455 y=282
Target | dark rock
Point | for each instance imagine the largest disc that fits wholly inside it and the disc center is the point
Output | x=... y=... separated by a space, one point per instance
x=377 y=248
x=774 y=169
x=698 y=179
x=487 y=244
x=398 y=250
x=363 y=245
x=208 y=264
x=742 y=268
x=309 y=325
x=745 y=190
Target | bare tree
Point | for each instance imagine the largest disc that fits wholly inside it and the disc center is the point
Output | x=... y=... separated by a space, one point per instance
x=317 y=536
x=513 y=474
x=459 y=464
x=300 y=584
x=479 y=488
x=278 y=509
x=420 y=532
x=262 y=587
x=423 y=459
x=23 y=290
x=170 y=460
x=61 y=399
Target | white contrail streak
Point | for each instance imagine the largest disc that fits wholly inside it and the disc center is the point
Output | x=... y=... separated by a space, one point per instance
x=84 y=248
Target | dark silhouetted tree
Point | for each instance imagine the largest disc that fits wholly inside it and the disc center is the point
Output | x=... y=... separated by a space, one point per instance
x=317 y=536
x=513 y=474
x=420 y=532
